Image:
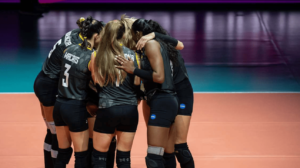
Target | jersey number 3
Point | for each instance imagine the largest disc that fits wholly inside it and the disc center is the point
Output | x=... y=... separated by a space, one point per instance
x=65 y=82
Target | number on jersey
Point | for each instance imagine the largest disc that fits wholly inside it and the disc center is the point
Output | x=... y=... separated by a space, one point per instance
x=57 y=43
x=65 y=82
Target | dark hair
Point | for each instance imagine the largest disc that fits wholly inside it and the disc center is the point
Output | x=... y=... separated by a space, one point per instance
x=88 y=27
x=149 y=26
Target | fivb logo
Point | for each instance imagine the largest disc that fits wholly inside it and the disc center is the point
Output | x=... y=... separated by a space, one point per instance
x=68 y=39
x=71 y=58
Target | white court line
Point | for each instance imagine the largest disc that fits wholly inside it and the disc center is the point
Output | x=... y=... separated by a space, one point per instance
x=194 y=92
x=16 y=92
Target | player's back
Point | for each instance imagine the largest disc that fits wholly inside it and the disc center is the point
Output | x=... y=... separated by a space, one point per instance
x=75 y=75
x=52 y=65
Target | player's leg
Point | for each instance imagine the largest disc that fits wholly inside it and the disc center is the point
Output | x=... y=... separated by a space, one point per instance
x=185 y=95
x=159 y=123
x=125 y=133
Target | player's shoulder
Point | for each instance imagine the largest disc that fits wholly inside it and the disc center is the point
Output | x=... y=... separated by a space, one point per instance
x=152 y=43
x=70 y=38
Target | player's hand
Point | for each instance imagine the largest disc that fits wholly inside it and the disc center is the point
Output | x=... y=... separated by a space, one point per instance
x=142 y=42
x=125 y=64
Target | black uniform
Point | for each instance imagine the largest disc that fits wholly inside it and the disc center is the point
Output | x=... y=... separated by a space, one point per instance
x=183 y=88
x=70 y=106
x=118 y=104
x=161 y=97
x=45 y=85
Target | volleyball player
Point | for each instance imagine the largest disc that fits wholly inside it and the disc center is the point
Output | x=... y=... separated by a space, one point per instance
x=70 y=114
x=185 y=94
x=46 y=87
x=156 y=73
x=117 y=113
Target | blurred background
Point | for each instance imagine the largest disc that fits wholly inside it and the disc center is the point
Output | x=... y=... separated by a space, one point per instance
x=235 y=46
x=242 y=57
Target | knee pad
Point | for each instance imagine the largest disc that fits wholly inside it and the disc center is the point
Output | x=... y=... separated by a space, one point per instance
x=99 y=159
x=81 y=159
x=64 y=155
x=183 y=155
x=169 y=160
x=123 y=159
x=154 y=161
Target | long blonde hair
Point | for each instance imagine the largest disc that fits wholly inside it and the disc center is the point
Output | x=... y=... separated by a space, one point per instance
x=110 y=46
x=128 y=41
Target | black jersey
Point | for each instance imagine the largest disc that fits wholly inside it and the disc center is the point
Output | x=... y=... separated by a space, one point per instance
x=168 y=84
x=125 y=93
x=75 y=76
x=180 y=72
x=52 y=65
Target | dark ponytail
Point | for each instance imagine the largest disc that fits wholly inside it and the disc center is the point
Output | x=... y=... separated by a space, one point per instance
x=80 y=21
x=89 y=27
x=149 y=26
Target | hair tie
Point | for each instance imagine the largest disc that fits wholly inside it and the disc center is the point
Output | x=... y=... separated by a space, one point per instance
x=84 y=37
x=82 y=19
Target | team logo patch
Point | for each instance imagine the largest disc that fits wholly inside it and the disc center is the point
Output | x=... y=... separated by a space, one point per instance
x=153 y=116
x=182 y=106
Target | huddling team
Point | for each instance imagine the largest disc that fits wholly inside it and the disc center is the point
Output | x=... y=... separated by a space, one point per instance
x=90 y=86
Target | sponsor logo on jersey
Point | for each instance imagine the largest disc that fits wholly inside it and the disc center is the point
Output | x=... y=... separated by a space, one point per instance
x=68 y=39
x=129 y=55
x=153 y=116
x=182 y=106
x=71 y=58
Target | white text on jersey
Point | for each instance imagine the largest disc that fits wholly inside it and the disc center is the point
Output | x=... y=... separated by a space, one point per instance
x=71 y=58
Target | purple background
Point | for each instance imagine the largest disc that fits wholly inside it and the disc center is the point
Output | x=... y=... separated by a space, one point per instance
x=159 y=1
x=171 y=1
x=9 y=1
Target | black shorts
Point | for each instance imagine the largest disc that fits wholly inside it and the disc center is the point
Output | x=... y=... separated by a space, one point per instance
x=121 y=118
x=72 y=113
x=45 y=89
x=163 y=109
x=185 y=97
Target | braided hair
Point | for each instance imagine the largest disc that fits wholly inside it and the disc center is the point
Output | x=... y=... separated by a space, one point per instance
x=88 y=27
x=149 y=26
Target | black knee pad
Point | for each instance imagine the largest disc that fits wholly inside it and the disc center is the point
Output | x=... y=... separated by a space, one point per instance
x=184 y=156
x=123 y=159
x=169 y=160
x=99 y=159
x=80 y=159
x=64 y=155
x=154 y=161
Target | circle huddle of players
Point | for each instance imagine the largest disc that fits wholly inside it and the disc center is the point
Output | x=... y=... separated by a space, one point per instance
x=91 y=84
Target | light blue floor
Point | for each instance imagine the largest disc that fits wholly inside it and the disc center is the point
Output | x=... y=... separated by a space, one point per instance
x=18 y=70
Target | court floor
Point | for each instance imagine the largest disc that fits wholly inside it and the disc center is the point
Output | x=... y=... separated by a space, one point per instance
x=229 y=130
